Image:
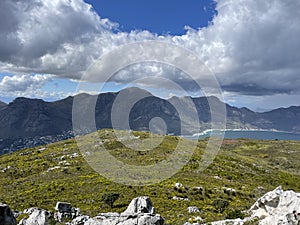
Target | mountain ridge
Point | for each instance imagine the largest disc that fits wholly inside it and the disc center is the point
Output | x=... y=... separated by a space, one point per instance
x=25 y=118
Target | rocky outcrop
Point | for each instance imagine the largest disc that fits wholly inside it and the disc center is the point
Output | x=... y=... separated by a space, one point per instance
x=65 y=211
x=277 y=207
x=36 y=217
x=6 y=216
x=139 y=212
x=193 y=209
x=140 y=205
x=80 y=220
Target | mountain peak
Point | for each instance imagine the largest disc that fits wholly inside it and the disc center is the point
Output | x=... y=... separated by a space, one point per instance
x=24 y=99
x=135 y=90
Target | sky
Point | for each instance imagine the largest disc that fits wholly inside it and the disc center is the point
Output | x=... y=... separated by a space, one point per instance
x=251 y=47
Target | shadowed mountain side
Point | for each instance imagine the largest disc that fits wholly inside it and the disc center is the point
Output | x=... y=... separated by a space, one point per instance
x=32 y=118
x=2 y=105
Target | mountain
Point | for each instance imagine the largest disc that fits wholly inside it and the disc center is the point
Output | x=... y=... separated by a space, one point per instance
x=30 y=122
x=2 y=105
x=34 y=117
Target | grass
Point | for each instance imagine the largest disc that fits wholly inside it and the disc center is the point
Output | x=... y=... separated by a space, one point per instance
x=41 y=176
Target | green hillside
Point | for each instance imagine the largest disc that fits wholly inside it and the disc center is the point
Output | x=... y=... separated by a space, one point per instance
x=41 y=176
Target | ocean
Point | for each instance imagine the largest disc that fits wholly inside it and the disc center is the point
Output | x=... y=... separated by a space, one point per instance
x=252 y=134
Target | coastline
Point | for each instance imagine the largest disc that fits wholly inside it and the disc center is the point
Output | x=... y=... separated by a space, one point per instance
x=255 y=134
x=205 y=132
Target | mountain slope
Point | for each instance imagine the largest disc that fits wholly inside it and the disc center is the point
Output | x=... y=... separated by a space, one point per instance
x=24 y=121
x=2 y=105
x=41 y=176
x=33 y=117
x=283 y=118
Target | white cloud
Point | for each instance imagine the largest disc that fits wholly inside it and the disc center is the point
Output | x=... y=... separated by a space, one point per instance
x=26 y=85
x=23 y=83
x=251 y=46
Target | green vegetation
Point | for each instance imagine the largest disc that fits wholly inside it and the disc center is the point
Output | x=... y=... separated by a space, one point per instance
x=110 y=198
x=220 y=205
x=242 y=172
x=234 y=214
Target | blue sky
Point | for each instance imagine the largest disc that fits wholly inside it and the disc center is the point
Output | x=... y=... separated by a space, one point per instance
x=45 y=49
x=161 y=17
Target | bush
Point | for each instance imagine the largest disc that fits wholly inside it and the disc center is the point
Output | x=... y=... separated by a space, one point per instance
x=234 y=214
x=110 y=198
x=220 y=205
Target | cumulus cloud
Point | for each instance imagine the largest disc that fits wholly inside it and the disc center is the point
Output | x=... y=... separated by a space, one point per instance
x=23 y=83
x=251 y=46
x=46 y=36
x=26 y=85
x=260 y=45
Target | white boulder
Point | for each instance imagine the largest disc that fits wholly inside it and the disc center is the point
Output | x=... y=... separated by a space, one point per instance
x=37 y=217
x=276 y=207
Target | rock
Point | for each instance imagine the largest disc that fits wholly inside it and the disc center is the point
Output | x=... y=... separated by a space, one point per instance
x=199 y=188
x=65 y=211
x=53 y=168
x=93 y=222
x=6 y=215
x=63 y=207
x=17 y=214
x=6 y=169
x=74 y=155
x=180 y=199
x=193 y=209
x=37 y=217
x=28 y=211
x=268 y=202
x=217 y=177
x=229 y=190
x=139 y=212
x=276 y=207
x=108 y=215
x=148 y=219
x=140 y=205
x=229 y=222
x=178 y=185
x=80 y=220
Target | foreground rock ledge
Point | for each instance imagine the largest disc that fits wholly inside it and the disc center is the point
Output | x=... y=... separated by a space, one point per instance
x=277 y=207
x=139 y=212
